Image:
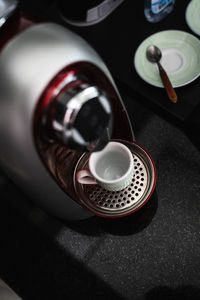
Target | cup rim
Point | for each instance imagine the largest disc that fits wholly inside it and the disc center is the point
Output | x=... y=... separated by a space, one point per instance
x=117 y=180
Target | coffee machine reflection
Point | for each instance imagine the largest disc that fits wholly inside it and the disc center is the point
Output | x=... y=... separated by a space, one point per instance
x=57 y=101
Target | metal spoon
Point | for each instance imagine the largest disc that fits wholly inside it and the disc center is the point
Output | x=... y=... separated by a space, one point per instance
x=154 y=55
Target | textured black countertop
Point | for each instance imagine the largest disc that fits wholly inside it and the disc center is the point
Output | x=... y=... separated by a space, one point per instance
x=152 y=254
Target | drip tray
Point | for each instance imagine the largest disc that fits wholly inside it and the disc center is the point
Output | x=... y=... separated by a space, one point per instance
x=119 y=203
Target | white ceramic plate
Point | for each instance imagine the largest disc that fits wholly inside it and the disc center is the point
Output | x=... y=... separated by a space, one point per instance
x=192 y=16
x=180 y=58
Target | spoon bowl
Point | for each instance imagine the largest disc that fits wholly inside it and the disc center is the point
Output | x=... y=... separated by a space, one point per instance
x=153 y=54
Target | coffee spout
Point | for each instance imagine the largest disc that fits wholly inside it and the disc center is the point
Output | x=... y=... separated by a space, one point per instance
x=79 y=116
x=100 y=143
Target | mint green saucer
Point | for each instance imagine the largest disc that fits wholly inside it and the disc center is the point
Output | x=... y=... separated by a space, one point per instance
x=180 y=58
x=192 y=16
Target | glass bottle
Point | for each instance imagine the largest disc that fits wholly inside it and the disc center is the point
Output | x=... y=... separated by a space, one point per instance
x=156 y=10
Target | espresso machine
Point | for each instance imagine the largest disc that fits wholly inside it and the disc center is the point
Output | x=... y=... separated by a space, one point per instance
x=58 y=103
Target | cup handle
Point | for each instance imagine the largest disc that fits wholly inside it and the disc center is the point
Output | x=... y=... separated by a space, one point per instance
x=85 y=177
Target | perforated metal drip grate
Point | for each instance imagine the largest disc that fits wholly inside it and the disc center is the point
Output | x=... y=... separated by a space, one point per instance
x=114 y=204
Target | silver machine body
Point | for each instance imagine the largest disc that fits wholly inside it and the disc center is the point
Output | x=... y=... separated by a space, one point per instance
x=28 y=63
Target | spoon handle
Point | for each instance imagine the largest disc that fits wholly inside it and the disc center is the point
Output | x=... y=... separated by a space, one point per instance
x=167 y=84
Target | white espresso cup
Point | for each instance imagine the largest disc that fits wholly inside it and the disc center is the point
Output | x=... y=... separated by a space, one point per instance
x=112 y=168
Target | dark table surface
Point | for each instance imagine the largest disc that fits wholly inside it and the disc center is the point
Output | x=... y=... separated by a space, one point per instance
x=117 y=39
x=152 y=254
